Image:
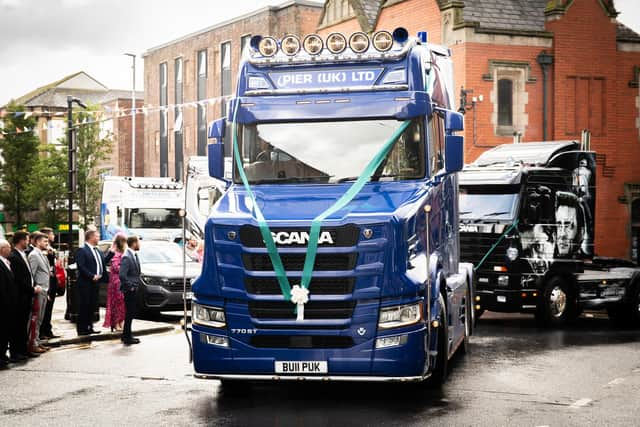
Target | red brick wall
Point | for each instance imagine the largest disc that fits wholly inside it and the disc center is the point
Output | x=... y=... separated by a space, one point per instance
x=415 y=16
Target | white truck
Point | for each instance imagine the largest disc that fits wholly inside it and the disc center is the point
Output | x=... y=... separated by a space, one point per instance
x=201 y=193
x=145 y=206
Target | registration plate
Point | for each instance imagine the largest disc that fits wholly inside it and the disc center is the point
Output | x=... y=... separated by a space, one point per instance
x=501 y=298
x=188 y=295
x=302 y=367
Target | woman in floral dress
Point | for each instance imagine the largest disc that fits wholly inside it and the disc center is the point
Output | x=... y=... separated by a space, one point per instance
x=114 y=317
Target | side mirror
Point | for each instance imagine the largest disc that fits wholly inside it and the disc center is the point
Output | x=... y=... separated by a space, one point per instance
x=216 y=151
x=217 y=129
x=454 y=153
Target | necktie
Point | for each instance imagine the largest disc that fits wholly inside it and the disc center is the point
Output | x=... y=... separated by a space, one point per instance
x=98 y=261
x=137 y=261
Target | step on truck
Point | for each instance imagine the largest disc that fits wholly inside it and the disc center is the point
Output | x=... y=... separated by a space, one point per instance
x=527 y=223
x=333 y=255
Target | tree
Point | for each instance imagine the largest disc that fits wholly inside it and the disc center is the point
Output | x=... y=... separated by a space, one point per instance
x=93 y=148
x=19 y=148
x=49 y=184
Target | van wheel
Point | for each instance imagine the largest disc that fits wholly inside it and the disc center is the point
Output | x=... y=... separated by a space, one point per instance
x=440 y=371
x=558 y=304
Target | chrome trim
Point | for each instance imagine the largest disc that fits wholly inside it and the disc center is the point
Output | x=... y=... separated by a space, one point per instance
x=351 y=378
x=263 y=92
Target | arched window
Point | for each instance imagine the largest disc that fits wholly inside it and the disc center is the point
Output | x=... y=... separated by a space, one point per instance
x=505 y=102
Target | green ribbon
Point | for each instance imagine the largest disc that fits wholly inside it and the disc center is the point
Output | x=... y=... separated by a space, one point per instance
x=312 y=248
x=495 y=245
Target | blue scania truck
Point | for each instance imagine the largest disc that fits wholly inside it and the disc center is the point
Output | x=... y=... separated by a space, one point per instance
x=333 y=254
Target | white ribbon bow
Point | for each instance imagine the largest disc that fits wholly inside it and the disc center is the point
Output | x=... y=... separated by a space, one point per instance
x=299 y=296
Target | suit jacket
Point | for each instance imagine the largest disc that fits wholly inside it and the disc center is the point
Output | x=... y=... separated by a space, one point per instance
x=40 y=268
x=8 y=293
x=22 y=277
x=129 y=272
x=87 y=268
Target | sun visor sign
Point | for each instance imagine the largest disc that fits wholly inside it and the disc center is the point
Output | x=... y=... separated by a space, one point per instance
x=325 y=79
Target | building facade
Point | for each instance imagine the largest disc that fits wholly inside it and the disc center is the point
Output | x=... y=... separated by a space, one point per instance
x=539 y=70
x=188 y=80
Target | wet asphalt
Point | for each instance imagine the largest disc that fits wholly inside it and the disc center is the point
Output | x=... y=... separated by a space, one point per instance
x=516 y=374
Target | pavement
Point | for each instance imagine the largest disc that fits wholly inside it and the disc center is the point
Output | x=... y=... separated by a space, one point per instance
x=68 y=335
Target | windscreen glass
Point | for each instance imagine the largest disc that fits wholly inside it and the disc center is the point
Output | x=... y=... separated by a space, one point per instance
x=488 y=203
x=152 y=218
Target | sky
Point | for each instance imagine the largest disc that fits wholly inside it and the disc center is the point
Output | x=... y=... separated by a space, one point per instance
x=42 y=41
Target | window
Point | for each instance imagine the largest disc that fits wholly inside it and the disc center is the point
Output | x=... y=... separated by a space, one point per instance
x=178 y=125
x=202 y=108
x=244 y=42
x=436 y=144
x=164 y=140
x=505 y=102
x=336 y=11
x=225 y=73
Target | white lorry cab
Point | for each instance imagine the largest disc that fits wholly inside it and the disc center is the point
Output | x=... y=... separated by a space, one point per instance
x=145 y=206
x=202 y=192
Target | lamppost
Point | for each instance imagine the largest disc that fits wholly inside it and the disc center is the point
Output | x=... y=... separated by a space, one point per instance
x=71 y=151
x=133 y=115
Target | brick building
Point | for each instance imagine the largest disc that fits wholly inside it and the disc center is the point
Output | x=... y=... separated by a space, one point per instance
x=48 y=105
x=198 y=72
x=499 y=48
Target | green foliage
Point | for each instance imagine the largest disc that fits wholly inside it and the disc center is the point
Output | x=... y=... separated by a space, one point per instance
x=48 y=184
x=19 y=148
x=93 y=149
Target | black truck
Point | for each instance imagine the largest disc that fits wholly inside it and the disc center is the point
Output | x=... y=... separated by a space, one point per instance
x=527 y=223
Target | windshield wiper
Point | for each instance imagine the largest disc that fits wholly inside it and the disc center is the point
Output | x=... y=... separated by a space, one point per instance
x=373 y=178
x=289 y=179
x=495 y=213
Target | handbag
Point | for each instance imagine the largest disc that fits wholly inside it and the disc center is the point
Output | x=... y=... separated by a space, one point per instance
x=61 y=275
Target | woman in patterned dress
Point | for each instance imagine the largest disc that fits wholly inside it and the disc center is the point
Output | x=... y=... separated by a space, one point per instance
x=114 y=318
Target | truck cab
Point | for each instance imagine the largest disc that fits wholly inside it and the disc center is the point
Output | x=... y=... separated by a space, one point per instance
x=527 y=223
x=357 y=140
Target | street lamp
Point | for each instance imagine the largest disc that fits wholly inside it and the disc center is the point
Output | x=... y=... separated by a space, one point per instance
x=71 y=151
x=133 y=115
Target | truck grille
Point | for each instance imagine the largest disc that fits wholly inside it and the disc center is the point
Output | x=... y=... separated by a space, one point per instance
x=301 y=341
x=318 y=286
x=284 y=310
x=295 y=262
x=474 y=246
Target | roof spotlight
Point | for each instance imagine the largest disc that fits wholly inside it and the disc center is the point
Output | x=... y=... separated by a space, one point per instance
x=336 y=43
x=313 y=44
x=268 y=46
x=382 y=41
x=359 y=42
x=290 y=45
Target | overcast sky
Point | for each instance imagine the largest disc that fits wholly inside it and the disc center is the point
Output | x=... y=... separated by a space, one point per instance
x=44 y=40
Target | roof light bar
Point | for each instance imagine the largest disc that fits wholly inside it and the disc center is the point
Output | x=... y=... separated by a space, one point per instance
x=359 y=42
x=290 y=45
x=313 y=44
x=268 y=46
x=336 y=43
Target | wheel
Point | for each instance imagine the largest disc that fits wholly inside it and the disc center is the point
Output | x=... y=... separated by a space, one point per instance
x=558 y=303
x=634 y=306
x=627 y=313
x=618 y=315
x=439 y=373
x=468 y=323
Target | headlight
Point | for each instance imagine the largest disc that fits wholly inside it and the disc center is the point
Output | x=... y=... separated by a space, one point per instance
x=208 y=316
x=359 y=42
x=268 y=46
x=336 y=43
x=290 y=45
x=313 y=44
x=512 y=254
x=383 y=41
x=402 y=315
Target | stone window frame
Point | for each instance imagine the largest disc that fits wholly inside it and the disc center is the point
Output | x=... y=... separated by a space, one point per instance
x=519 y=72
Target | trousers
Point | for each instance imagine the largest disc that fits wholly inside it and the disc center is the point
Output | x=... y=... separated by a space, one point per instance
x=37 y=314
x=130 y=312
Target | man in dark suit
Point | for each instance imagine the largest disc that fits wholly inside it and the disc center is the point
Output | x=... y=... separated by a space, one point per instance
x=92 y=271
x=129 y=283
x=25 y=290
x=7 y=302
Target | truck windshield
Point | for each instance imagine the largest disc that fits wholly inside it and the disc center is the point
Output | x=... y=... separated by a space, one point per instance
x=329 y=152
x=488 y=203
x=152 y=218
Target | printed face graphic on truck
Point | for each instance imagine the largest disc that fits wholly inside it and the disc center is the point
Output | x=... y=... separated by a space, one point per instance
x=566 y=228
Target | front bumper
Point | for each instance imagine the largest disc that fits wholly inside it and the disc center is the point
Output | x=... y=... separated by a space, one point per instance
x=508 y=301
x=159 y=298
x=312 y=378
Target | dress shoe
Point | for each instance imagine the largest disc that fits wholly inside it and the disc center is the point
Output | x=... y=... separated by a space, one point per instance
x=92 y=332
x=32 y=354
x=81 y=334
x=37 y=350
x=18 y=358
x=129 y=341
x=45 y=349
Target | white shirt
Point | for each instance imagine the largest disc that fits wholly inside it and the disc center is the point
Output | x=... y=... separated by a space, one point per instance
x=6 y=262
x=97 y=258
x=26 y=261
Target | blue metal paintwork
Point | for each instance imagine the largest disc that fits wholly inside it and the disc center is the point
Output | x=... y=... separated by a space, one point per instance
x=387 y=272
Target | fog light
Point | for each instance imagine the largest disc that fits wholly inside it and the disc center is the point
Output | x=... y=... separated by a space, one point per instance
x=268 y=46
x=382 y=41
x=359 y=42
x=503 y=280
x=336 y=43
x=313 y=44
x=535 y=294
x=386 y=342
x=477 y=297
x=435 y=324
x=478 y=307
x=216 y=340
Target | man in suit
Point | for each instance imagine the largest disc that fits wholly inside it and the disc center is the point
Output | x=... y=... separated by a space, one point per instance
x=91 y=272
x=7 y=302
x=46 y=330
x=129 y=283
x=25 y=290
x=39 y=265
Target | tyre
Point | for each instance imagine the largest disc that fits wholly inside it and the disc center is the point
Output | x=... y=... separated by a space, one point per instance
x=439 y=373
x=634 y=306
x=558 y=303
x=627 y=314
x=618 y=315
